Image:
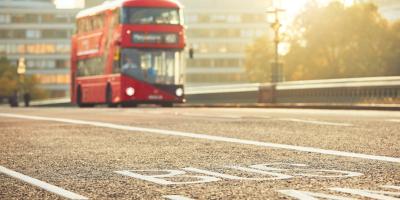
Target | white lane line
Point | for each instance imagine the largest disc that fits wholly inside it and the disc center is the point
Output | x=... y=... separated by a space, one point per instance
x=393 y=120
x=176 y=197
x=315 y=122
x=208 y=137
x=211 y=116
x=51 y=188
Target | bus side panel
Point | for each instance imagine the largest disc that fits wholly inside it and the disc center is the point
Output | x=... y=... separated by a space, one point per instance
x=93 y=89
x=115 y=83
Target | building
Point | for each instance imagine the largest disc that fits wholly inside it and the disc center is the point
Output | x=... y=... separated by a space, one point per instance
x=219 y=31
x=91 y=3
x=38 y=32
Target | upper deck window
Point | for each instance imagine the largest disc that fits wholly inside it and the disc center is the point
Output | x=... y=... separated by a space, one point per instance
x=151 y=16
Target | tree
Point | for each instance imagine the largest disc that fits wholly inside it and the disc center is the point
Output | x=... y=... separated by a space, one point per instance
x=11 y=82
x=258 y=58
x=8 y=78
x=333 y=41
x=338 y=42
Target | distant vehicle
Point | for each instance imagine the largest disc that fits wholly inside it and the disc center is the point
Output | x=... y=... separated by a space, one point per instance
x=128 y=52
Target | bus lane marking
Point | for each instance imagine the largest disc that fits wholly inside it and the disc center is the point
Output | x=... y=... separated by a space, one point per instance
x=261 y=172
x=40 y=184
x=176 y=197
x=371 y=194
x=207 y=137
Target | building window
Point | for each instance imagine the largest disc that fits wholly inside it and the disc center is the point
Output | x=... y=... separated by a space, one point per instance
x=24 y=18
x=62 y=63
x=47 y=18
x=33 y=34
x=53 y=78
x=18 y=34
x=5 y=19
x=41 y=64
x=52 y=34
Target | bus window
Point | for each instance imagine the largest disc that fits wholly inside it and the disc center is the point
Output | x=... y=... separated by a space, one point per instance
x=98 y=22
x=91 y=67
x=151 y=16
x=116 y=58
x=153 y=66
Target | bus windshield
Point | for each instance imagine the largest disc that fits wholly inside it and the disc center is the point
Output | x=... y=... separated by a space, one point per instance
x=150 y=16
x=152 y=66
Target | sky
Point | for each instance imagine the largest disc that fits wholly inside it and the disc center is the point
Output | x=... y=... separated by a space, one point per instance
x=292 y=7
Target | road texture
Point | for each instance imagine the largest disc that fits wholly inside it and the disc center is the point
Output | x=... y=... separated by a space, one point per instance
x=198 y=153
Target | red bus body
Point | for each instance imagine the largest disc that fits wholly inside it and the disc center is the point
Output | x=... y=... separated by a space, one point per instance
x=104 y=37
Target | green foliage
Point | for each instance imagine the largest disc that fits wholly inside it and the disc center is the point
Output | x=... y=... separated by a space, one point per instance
x=341 y=42
x=258 y=57
x=11 y=82
x=8 y=78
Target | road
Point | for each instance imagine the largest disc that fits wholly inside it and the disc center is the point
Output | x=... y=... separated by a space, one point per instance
x=198 y=153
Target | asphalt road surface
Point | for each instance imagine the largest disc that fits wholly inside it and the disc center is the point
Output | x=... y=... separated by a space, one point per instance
x=198 y=153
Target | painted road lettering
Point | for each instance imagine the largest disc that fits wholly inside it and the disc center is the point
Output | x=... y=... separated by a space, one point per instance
x=232 y=177
x=301 y=170
x=263 y=172
x=379 y=195
x=176 y=197
x=161 y=178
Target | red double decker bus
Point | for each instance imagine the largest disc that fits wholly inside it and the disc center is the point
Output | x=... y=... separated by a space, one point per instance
x=128 y=52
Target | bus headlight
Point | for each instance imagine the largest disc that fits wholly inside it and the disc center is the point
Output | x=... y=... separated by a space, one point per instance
x=130 y=91
x=179 y=92
x=171 y=38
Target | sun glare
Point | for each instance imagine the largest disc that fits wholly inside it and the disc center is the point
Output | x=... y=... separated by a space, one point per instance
x=294 y=7
x=64 y=4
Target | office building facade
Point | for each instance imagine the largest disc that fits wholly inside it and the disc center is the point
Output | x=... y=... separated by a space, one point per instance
x=40 y=34
x=219 y=32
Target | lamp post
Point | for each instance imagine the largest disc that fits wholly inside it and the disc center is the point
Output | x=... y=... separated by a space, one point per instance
x=276 y=25
x=268 y=93
x=21 y=75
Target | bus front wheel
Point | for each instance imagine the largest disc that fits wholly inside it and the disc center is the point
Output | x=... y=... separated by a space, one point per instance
x=109 y=102
x=79 y=101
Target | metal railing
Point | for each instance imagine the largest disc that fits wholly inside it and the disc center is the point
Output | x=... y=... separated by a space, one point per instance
x=374 y=90
x=378 y=90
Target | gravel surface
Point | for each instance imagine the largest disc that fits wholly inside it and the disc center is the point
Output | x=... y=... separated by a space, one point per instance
x=84 y=159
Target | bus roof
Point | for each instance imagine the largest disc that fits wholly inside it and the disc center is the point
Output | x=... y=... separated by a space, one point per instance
x=110 y=5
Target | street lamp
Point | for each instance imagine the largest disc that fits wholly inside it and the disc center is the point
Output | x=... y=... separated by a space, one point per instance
x=21 y=74
x=273 y=17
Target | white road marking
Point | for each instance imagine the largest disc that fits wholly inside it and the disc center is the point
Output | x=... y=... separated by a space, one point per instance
x=159 y=179
x=51 y=188
x=208 y=137
x=211 y=116
x=368 y=193
x=393 y=120
x=379 y=195
x=176 y=197
x=305 y=195
x=391 y=187
x=315 y=122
